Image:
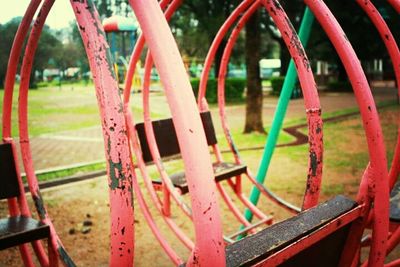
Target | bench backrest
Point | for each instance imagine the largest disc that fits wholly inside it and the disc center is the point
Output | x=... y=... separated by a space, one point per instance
x=8 y=174
x=166 y=138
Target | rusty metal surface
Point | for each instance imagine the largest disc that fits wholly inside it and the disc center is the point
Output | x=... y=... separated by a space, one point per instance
x=118 y=157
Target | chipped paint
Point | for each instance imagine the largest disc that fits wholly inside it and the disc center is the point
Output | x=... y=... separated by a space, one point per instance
x=118 y=158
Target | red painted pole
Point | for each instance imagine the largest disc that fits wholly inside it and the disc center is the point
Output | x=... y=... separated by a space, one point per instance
x=23 y=129
x=137 y=50
x=209 y=249
x=311 y=101
x=394 y=54
x=242 y=7
x=118 y=157
x=6 y=119
x=379 y=183
x=395 y=4
x=13 y=64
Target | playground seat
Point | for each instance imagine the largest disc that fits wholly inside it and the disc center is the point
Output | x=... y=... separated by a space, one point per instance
x=168 y=146
x=395 y=204
x=15 y=230
x=298 y=230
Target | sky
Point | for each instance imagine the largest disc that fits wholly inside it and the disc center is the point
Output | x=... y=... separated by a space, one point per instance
x=60 y=15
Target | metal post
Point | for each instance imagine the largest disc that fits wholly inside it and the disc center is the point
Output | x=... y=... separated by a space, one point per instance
x=288 y=85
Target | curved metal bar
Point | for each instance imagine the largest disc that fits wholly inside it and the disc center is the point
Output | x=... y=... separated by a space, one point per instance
x=17 y=206
x=209 y=249
x=151 y=140
x=311 y=102
x=136 y=148
x=280 y=112
x=118 y=157
x=393 y=240
x=394 y=54
x=6 y=118
x=395 y=263
x=221 y=99
x=231 y=205
x=309 y=91
x=142 y=203
x=23 y=126
x=221 y=86
x=13 y=64
x=154 y=149
x=214 y=47
x=371 y=125
x=222 y=73
x=142 y=167
x=137 y=50
x=395 y=4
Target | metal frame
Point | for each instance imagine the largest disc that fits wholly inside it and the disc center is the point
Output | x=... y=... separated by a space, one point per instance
x=119 y=136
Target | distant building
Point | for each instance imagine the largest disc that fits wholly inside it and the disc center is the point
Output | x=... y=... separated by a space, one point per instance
x=50 y=74
x=269 y=68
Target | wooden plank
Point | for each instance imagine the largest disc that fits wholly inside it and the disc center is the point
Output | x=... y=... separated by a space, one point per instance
x=257 y=247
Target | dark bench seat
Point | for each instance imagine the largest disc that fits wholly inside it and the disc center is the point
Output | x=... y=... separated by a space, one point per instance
x=19 y=230
x=395 y=203
x=168 y=146
x=263 y=244
x=15 y=230
x=222 y=171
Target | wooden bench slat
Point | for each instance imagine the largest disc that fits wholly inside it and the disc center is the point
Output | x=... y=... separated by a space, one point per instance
x=222 y=171
x=8 y=174
x=166 y=138
x=259 y=246
x=20 y=229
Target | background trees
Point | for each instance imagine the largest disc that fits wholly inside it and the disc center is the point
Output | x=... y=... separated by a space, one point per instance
x=196 y=23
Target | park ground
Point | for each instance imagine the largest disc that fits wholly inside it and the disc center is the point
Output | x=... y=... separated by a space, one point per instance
x=57 y=140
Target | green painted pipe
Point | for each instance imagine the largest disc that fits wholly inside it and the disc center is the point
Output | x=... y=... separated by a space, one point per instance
x=287 y=89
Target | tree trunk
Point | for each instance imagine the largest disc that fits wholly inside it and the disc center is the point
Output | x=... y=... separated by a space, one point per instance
x=254 y=100
x=284 y=57
x=218 y=57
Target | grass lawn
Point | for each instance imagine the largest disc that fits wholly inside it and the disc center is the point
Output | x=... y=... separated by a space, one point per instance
x=51 y=110
x=54 y=109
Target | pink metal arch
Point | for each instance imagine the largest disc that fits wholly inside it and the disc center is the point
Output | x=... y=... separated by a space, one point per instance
x=310 y=96
x=394 y=54
x=135 y=58
x=214 y=47
x=23 y=121
x=118 y=157
x=372 y=128
x=170 y=190
x=209 y=249
x=156 y=156
x=13 y=64
x=16 y=49
x=395 y=4
x=149 y=129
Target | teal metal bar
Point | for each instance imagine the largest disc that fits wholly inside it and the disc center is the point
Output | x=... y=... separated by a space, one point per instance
x=283 y=102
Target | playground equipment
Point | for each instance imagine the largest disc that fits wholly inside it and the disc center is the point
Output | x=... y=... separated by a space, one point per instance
x=157 y=158
x=337 y=224
x=119 y=163
x=290 y=81
x=122 y=26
